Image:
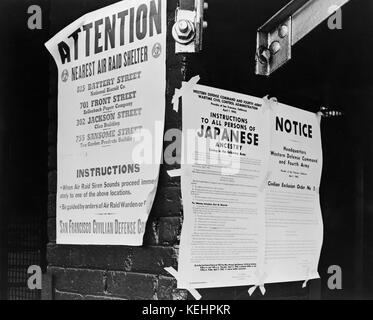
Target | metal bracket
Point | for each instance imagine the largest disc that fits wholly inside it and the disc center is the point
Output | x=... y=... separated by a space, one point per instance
x=277 y=36
x=273 y=48
x=188 y=28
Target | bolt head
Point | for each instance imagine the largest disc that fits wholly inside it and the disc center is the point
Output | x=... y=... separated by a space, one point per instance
x=183 y=26
x=275 y=47
x=183 y=31
x=283 y=31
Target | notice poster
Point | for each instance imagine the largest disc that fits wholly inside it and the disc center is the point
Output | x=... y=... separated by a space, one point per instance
x=225 y=143
x=111 y=93
x=250 y=181
x=294 y=227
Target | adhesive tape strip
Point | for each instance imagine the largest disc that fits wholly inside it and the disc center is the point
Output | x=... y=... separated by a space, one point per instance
x=260 y=284
x=319 y=116
x=174 y=173
x=185 y=87
x=192 y=291
x=308 y=276
x=268 y=103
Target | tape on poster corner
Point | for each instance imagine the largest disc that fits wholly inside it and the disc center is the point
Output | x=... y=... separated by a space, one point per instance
x=268 y=103
x=192 y=291
x=174 y=173
x=319 y=116
x=260 y=284
x=185 y=87
x=309 y=274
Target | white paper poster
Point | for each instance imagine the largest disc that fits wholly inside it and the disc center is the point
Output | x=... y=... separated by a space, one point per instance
x=111 y=93
x=294 y=228
x=250 y=181
x=226 y=138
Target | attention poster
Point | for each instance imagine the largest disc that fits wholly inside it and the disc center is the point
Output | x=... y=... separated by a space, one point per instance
x=111 y=96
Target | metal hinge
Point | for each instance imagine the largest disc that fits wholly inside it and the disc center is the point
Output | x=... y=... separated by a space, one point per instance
x=277 y=36
x=189 y=24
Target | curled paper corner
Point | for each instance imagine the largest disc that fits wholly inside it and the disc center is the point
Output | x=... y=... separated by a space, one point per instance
x=192 y=291
x=186 y=86
x=151 y=196
x=260 y=284
x=174 y=173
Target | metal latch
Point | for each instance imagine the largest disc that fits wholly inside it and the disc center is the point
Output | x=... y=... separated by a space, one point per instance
x=189 y=24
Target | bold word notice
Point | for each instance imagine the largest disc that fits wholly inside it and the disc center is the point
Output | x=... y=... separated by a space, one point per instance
x=250 y=186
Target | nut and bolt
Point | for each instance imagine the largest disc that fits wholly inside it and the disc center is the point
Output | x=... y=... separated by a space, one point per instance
x=183 y=31
x=264 y=55
x=183 y=26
